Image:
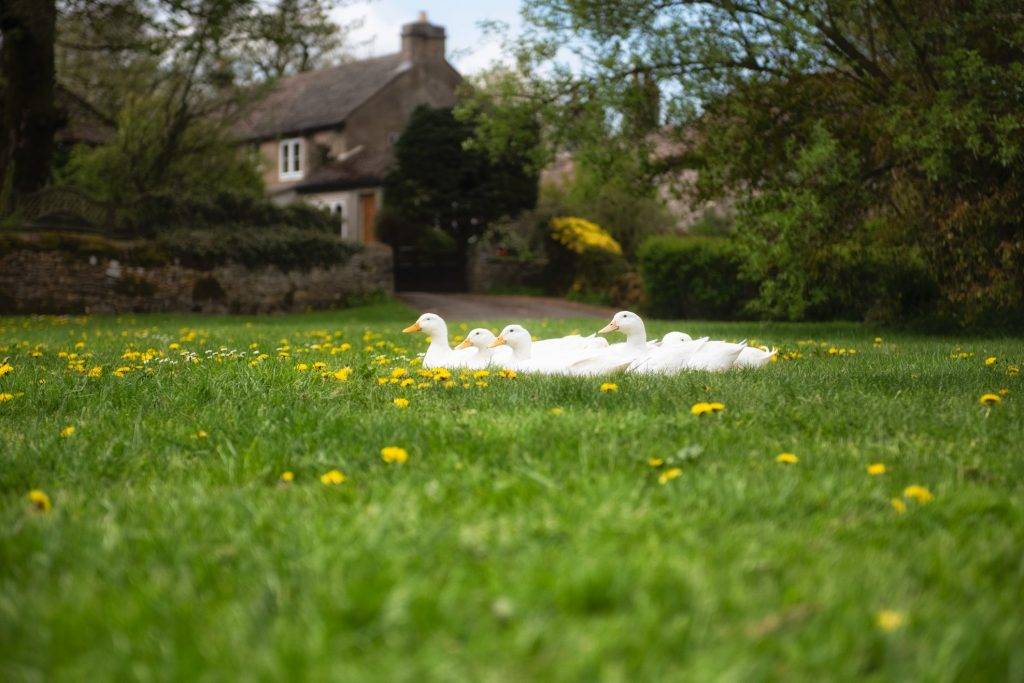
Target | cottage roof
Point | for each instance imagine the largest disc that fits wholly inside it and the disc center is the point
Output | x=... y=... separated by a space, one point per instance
x=321 y=98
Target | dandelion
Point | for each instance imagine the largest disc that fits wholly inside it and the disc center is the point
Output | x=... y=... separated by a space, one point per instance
x=703 y=408
x=899 y=506
x=787 y=458
x=609 y=388
x=1012 y=370
x=481 y=384
x=382 y=380
x=287 y=476
x=407 y=382
x=332 y=478
x=40 y=501
x=394 y=454
x=4 y=398
x=989 y=399
x=557 y=410
x=401 y=402
x=67 y=431
x=95 y=372
x=668 y=475
x=122 y=371
x=889 y=620
x=1004 y=392
x=398 y=373
x=201 y=434
x=342 y=374
x=878 y=341
x=319 y=365
x=655 y=462
x=302 y=367
x=6 y=369
x=991 y=360
x=480 y=374
x=918 y=493
x=876 y=469
x=507 y=374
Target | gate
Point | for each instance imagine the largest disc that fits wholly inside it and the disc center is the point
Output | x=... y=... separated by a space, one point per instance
x=418 y=271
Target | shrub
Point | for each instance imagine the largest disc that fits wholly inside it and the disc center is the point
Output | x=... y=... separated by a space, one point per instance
x=692 y=277
x=156 y=213
x=580 y=235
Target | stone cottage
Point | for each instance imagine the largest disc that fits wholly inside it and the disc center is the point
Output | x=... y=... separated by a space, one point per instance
x=326 y=137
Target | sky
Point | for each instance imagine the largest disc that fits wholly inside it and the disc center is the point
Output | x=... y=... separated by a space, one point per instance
x=469 y=50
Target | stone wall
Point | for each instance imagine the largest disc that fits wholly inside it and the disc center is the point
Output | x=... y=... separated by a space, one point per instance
x=56 y=281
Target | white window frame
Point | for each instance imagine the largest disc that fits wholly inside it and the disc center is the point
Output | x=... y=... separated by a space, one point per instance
x=291 y=155
x=338 y=209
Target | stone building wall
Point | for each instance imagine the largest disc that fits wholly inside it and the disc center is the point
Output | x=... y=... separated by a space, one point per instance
x=56 y=281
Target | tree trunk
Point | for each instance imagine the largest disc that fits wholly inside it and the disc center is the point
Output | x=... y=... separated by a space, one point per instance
x=28 y=118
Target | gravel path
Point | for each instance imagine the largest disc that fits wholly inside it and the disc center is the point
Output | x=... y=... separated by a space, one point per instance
x=486 y=306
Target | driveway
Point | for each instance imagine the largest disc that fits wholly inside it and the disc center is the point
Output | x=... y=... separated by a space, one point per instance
x=487 y=306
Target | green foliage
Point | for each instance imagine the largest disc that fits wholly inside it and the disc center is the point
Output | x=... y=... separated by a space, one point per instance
x=284 y=247
x=438 y=181
x=203 y=164
x=693 y=277
x=160 y=212
x=876 y=126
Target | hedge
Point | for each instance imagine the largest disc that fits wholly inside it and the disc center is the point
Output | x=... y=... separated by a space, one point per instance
x=692 y=277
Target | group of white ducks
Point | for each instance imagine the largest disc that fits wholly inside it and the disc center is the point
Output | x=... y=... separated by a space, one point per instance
x=515 y=349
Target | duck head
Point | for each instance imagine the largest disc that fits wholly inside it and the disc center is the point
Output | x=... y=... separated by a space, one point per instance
x=432 y=325
x=674 y=338
x=478 y=337
x=517 y=338
x=630 y=324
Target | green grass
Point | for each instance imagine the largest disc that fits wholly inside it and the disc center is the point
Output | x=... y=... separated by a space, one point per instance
x=514 y=544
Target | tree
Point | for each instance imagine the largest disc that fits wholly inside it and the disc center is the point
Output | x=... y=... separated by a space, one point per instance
x=439 y=182
x=846 y=129
x=29 y=119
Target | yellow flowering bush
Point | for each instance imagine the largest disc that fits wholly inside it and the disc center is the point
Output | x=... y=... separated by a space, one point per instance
x=579 y=234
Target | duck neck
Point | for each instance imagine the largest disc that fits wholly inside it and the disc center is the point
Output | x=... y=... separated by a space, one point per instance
x=439 y=341
x=636 y=337
x=521 y=350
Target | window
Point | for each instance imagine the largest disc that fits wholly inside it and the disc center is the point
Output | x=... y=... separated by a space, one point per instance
x=338 y=209
x=290 y=159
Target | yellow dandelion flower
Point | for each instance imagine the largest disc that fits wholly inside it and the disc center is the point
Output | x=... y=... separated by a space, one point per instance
x=174 y=346
x=4 y=398
x=668 y=475
x=481 y=384
x=95 y=372
x=704 y=408
x=480 y=374
x=1012 y=370
x=876 y=469
x=342 y=374
x=557 y=410
x=787 y=458
x=40 y=501
x=302 y=367
x=287 y=476
x=655 y=462
x=383 y=380
x=319 y=365
x=67 y=431
x=609 y=388
x=399 y=372
x=889 y=620
x=122 y=371
x=899 y=506
x=1004 y=392
x=507 y=374
x=6 y=369
x=407 y=382
x=394 y=454
x=918 y=493
x=991 y=360
x=989 y=399
x=401 y=402
x=332 y=478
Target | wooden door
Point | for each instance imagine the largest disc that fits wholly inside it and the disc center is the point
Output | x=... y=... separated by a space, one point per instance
x=368 y=215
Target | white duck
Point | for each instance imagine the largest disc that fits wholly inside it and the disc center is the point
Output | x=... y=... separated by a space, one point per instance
x=753 y=357
x=481 y=339
x=715 y=356
x=439 y=354
x=550 y=356
x=672 y=355
x=616 y=356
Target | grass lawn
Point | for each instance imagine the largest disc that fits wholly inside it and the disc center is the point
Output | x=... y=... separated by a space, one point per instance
x=527 y=536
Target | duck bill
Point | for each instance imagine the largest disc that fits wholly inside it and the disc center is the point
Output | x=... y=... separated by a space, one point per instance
x=499 y=341
x=415 y=327
x=610 y=327
x=463 y=345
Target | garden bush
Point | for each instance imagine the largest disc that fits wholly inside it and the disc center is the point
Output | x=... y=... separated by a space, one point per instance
x=692 y=277
x=156 y=213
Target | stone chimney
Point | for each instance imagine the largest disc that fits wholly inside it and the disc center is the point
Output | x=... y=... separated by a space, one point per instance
x=423 y=41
